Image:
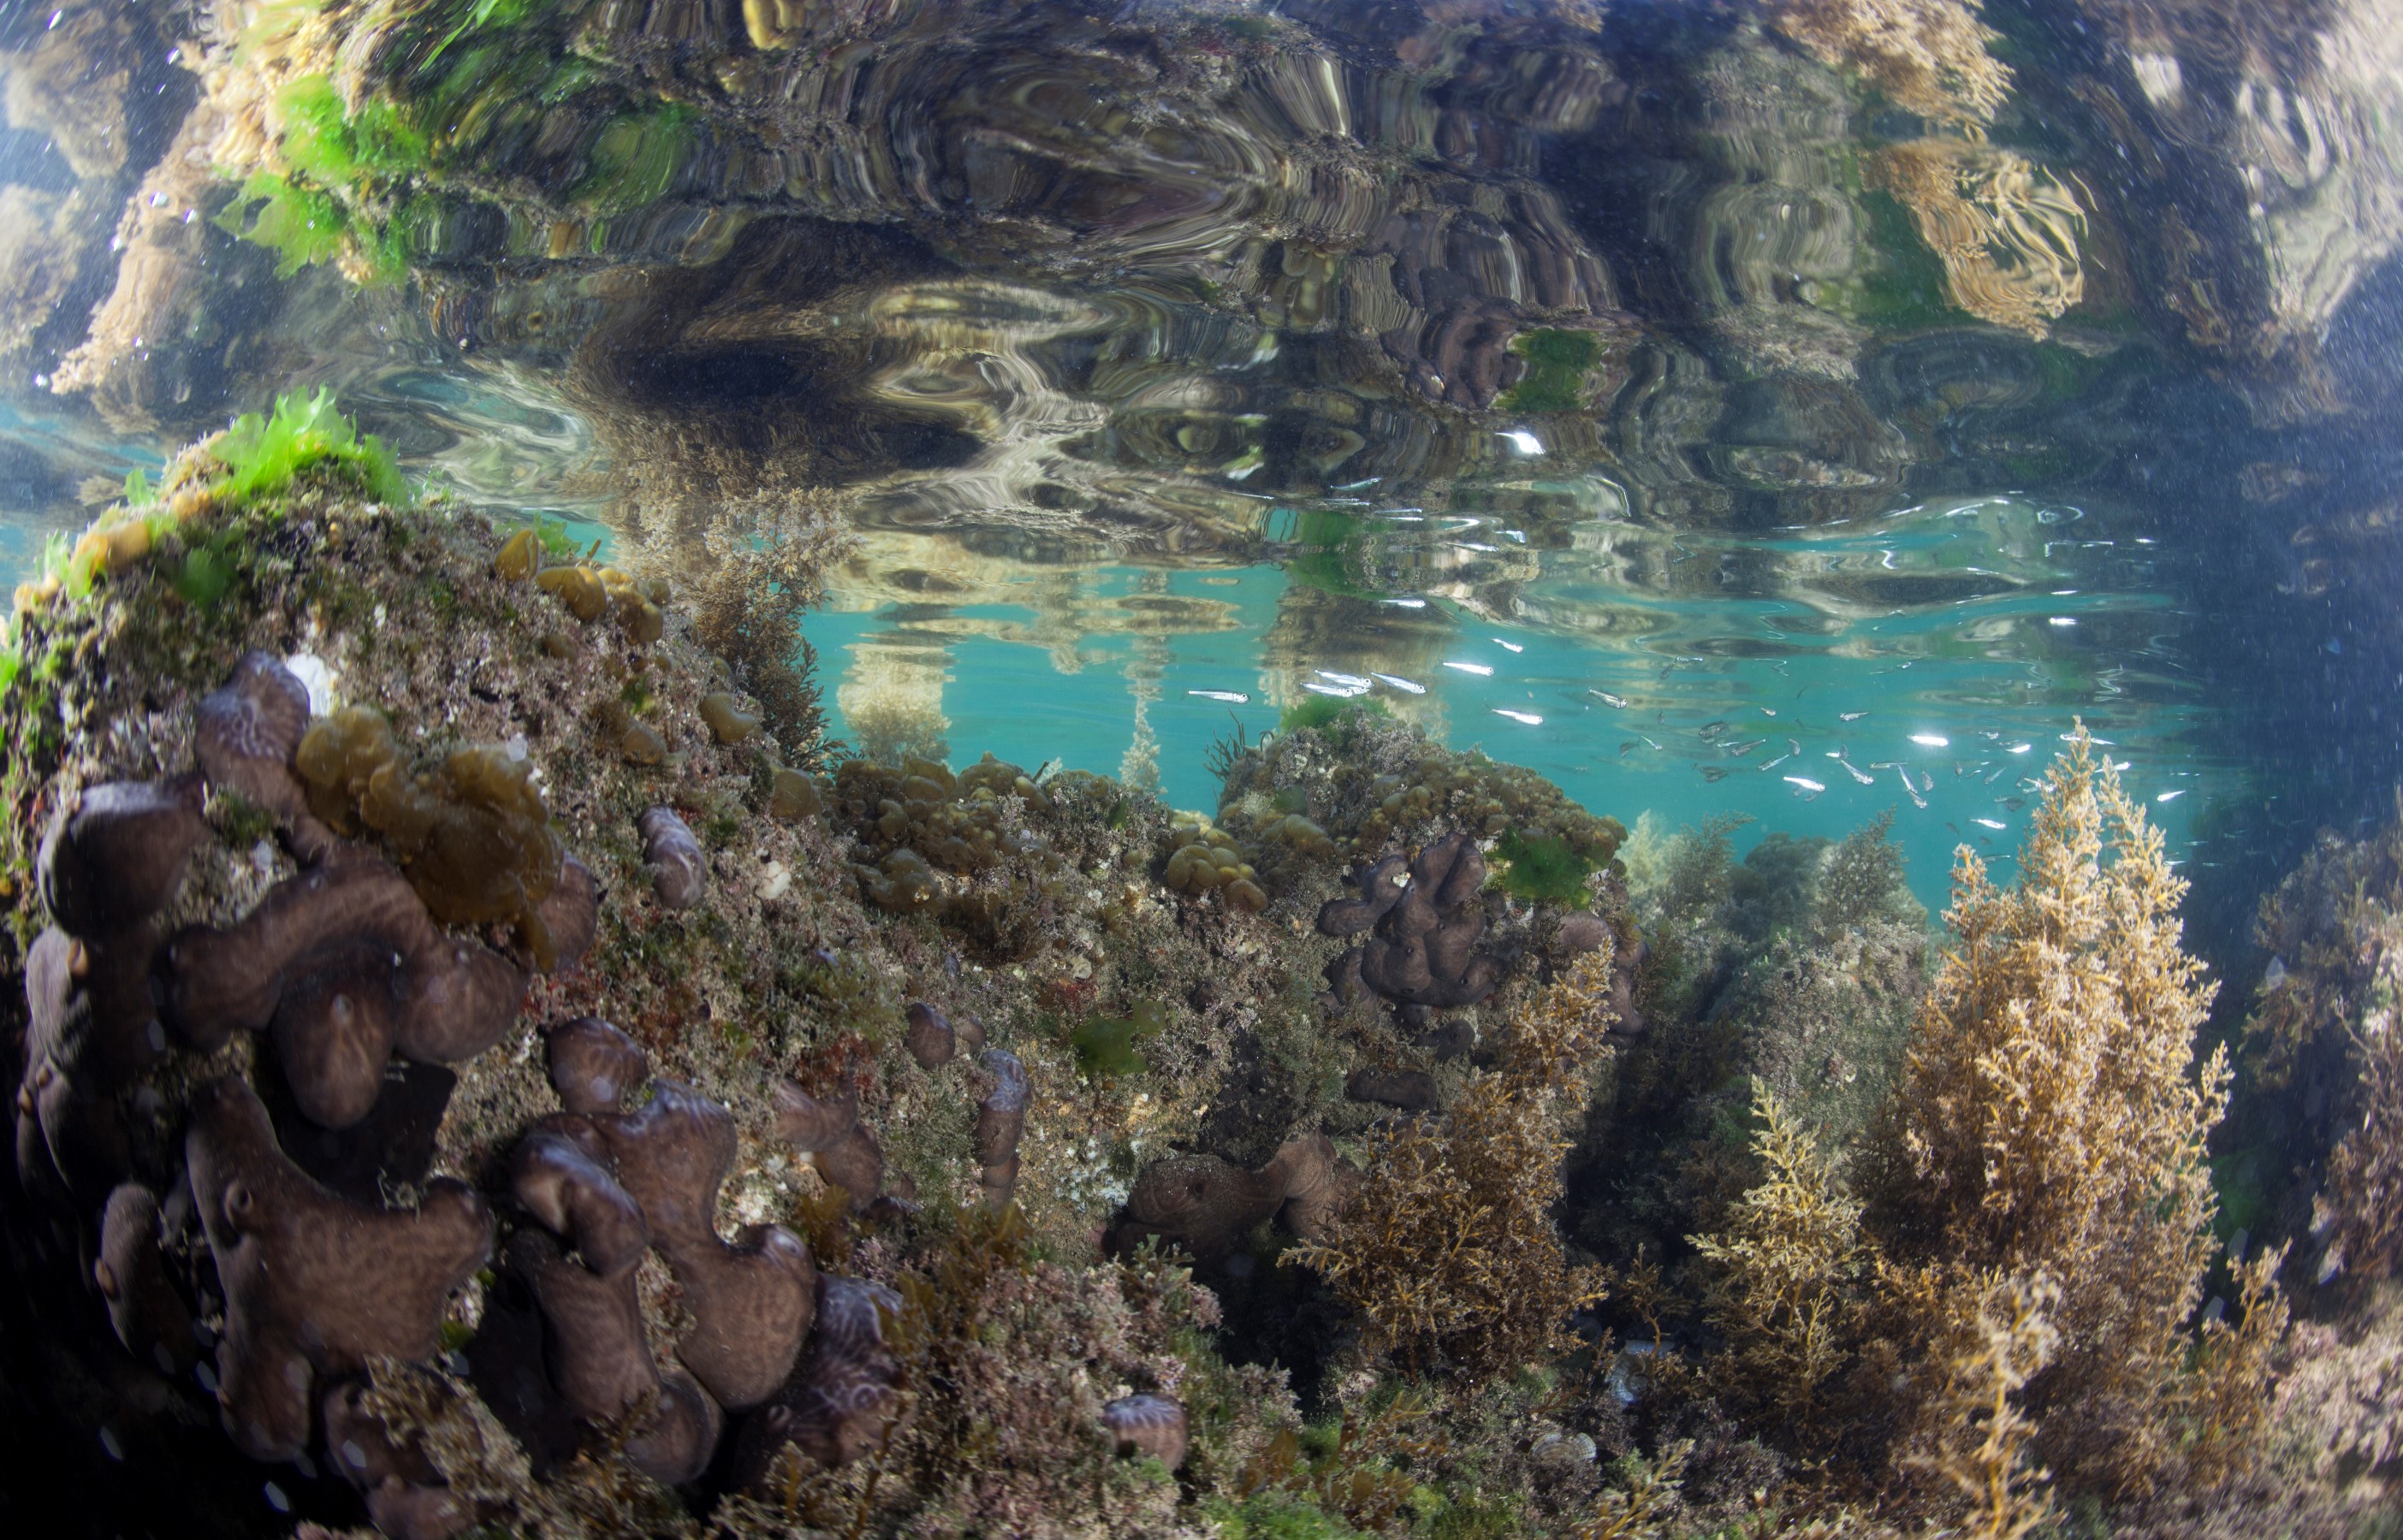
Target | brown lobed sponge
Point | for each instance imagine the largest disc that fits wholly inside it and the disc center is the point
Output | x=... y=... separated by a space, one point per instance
x=751 y=1299
x=1001 y=1122
x=1427 y=917
x=594 y=1064
x=828 y=1130
x=345 y=965
x=314 y=1284
x=843 y=1402
x=1206 y=1204
x=1148 y=1425
x=244 y=734
x=679 y=871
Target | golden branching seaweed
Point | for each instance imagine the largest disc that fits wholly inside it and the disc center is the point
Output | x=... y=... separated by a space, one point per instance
x=2008 y=233
x=1984 y=1446
x=1446 y=1253
x=2335 y=929
x=2361 y=1208
x=1366 y=1474
x=2051 y=1121
x=1928 y=55
x=1784 y=1294
x=2226 y=1401
x=1641 y=1509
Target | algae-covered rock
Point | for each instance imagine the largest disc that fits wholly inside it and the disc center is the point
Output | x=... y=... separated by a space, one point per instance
x=313 y=982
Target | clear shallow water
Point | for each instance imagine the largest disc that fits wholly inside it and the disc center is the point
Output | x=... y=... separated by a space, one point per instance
x=1684 y=676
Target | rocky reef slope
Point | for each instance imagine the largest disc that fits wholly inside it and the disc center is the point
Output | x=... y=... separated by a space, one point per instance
x=476 y=1075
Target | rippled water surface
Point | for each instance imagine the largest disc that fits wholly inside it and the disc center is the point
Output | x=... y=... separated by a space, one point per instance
x=1695 y=404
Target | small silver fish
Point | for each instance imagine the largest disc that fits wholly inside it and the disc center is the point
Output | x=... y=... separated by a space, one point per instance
x=1916 y=800
x=1740 y=750
x=1804 y=787
x=1773 y=764
x=1617 y=703
x=1341 y=692
x=1528 y=717
x=1511 y=645
x=1233 y=697
x=1851 y=716
x=1481 y=670
x=1715 y=773
x=1991 y=822
x=1710 y=729
x=1409 y=687
x=1766 y=711
x=1350 y=681
x=1865 y=778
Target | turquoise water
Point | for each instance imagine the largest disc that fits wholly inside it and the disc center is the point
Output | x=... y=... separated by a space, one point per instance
x=1953 y=643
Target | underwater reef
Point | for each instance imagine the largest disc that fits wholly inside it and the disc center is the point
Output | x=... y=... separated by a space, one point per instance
x=486 y=1068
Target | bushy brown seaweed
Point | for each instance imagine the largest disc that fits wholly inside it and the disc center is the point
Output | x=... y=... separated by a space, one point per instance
x=2325 y=1035
x=763 y=573
x=2051 y=1119
x=1784 y=1295
x=1447 y=1252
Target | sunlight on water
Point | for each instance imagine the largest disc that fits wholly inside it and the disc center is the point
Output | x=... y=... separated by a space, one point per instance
x=1926 y=662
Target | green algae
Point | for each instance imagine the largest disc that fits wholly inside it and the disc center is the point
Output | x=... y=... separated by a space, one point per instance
x=635 y=159
x=1542 y=869
x=264 y=454
x=303 y=226
x=334 y=146
x=1322 y=712
x=1557 y=364
x=1106 y=1046
x=1276 y=1516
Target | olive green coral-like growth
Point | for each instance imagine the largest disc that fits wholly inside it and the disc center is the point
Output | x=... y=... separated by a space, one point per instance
x=2051 y=1118
x=764 y=572
x=1785 y=1267
x=1447 y=1252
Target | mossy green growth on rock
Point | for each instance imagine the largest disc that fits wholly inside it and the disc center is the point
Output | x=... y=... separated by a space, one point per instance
x=1557 y=362
x=263 y=455
x=1321 y=711
x=1542 y=869
x=1276 y=1516
x=1106 y=1046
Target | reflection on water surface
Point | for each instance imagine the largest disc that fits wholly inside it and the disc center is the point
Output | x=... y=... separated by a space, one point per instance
x=1718 y=360
x=1799 y=677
